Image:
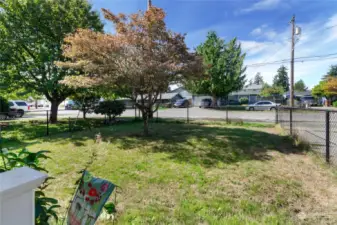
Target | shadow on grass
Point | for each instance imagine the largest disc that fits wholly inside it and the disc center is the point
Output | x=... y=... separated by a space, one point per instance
x=206 y=144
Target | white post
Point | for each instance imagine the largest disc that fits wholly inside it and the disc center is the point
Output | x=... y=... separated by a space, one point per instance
x=17 y=195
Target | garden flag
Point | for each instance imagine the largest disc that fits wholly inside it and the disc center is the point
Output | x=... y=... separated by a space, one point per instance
x=89 y=200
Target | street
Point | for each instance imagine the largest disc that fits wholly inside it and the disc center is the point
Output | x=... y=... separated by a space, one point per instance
x=194 y=113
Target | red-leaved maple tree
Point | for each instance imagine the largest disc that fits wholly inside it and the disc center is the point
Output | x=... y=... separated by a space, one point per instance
x=140 y=60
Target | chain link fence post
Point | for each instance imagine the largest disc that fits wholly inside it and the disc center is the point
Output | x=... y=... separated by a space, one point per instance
x=327 y=136
x=277 y=115
x=47 y=131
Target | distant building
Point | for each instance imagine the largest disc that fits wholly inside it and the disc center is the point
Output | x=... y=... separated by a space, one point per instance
x=252 y=92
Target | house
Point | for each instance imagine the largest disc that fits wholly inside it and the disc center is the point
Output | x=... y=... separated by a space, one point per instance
x=252 y=92
x=170 y=98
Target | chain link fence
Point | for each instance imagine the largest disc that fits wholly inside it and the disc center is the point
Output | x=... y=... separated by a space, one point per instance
x=37 y=124
x=313 y=126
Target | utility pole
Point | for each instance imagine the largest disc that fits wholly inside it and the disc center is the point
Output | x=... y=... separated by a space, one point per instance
x=149 y=4
x=292 y=62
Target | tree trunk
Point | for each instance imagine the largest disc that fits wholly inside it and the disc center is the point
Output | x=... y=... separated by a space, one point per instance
x=84 y=110
x=150 y=114
x=54 y=110
x=214 y=102
x=36 y=105
x=146 y=123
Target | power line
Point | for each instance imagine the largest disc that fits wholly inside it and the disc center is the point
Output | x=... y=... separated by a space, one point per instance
x=297 y=60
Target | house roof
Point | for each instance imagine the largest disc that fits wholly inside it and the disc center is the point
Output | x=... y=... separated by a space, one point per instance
x=177 y=90
x=168 y=96
x=253 y=89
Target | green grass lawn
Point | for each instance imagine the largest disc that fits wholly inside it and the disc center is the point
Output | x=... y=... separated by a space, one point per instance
x=199 y=173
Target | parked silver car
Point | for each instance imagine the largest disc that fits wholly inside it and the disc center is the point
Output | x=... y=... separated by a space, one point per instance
x=262 y=105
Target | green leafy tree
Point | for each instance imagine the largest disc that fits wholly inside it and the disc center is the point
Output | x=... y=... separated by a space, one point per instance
x=331 y=73
x=318 y=90
x=224 y=71
x=281 y=79
x=271 y=91
x=258 y=79
x=300 y=86
x=31 y=35
x=86 y=100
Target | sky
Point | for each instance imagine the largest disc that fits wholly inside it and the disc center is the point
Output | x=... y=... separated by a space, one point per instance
x=261 y=26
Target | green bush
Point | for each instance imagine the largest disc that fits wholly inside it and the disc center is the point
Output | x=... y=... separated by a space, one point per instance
x=4 y=106
x=110 y=108
x=334 y=104
x=243 y=101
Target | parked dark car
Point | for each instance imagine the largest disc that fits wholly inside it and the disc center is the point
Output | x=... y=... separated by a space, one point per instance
x=181 y=103
x=205 y=103
x=12 y=113
x=71 y=105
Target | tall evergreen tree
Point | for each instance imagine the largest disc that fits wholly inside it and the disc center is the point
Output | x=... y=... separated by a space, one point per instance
x=224 y=68
x=31 y=39
x=331 y=73
x=258 y=79
x=281 y=79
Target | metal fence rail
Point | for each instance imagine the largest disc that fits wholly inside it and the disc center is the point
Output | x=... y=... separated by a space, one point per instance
x=316 y=127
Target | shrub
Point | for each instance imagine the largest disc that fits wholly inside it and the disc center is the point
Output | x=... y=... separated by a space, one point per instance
x=4 y=106
x=334 y=104
x=243 y=101
x=86 y=102
x=110 y=108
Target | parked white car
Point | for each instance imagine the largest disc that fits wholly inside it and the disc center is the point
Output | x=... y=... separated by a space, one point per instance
x=21 y=106
x=262 y=105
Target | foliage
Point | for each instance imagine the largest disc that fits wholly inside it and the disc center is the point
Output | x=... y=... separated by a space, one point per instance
x=224 y=68
x=300 y=86
x=243 y=101
x=268 y=91
x=330 y=86
x=4 y=106
x=334 y=104
x=44 y=206
x=86 y=100
x=258 y=79
x=110 y=108
x=31 y=36
x=281 y=79
x=331 y=73
x=142 y=58
x=318 y=90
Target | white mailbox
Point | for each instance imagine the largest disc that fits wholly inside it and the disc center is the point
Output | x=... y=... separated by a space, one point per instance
x=17 y=193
